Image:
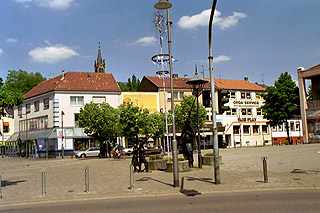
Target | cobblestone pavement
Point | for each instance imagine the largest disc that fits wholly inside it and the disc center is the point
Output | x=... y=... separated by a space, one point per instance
x=295 y=166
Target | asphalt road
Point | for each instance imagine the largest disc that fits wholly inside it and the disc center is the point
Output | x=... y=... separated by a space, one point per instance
x=295 y=200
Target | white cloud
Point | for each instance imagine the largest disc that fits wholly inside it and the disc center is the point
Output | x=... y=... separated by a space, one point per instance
x=229 y=21
x=11 y=40
x=145 y=41
x=52 y=54
x=1 y=51
x=218 y=59
x=56 y=4
x=221 y=58
x=202 y=19
x=53 y=4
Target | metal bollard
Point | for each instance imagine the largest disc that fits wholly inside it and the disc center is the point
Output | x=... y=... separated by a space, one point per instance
x=131 y=177
x=86 y=173
x=43 y=182
x=265 y=170
x=0 y=185
x=182 y=184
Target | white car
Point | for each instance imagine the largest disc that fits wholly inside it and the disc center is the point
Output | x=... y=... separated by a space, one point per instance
x=91 y=152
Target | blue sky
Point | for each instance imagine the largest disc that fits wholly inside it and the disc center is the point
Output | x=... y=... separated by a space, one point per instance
x=259 y=39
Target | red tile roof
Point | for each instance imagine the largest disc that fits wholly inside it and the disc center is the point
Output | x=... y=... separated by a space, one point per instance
x=180 y=83
x=237 y=85
x=77 y=81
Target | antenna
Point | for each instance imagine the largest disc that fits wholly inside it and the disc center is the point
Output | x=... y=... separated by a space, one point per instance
x=262 y=79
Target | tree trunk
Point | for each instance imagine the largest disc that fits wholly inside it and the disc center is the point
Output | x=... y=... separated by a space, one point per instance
x=288 y=134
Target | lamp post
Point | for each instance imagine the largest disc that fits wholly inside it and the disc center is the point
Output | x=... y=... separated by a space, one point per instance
x=214 y=121
x=165 y=5
x=62 y=148
x=197 y=83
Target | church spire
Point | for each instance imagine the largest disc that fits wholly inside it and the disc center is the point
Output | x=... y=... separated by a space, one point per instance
x=99 y=64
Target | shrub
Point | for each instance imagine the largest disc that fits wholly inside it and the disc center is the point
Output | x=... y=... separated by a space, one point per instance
x=209 y=154
x=169 y=160
x=286 y=143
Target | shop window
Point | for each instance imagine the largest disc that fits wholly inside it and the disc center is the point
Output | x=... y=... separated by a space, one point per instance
x=246 y=111
x=19 y=111
x=292 y=127
x=245 y=95
x=246 y=129
x=231 y=94
x=28 y=108
x=264 y=129
x=298 y=126
x=274 y=128
x=175 y=96
x=5 y=128
x=259 y=111
x=258 y=96
x=255 y=129
x=36 y=106
x=232 y=112
x=46 y=103
x=236 y=130
x=76 y=119
x=76 y=101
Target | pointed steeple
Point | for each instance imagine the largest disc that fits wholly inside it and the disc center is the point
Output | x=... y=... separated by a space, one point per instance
x=99 y=64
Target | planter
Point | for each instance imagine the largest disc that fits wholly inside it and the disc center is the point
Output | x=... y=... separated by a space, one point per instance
x=182 y=166
x=209 y=160
x=157 y=164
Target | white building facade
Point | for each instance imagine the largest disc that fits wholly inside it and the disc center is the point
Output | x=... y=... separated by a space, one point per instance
x=244 y=122
x=51 y=109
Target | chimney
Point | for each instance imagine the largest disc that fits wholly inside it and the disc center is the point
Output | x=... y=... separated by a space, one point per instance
x=246 y=78
x=62 y=75
x=175 y=75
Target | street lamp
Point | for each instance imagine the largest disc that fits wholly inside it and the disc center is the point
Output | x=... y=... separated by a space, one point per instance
x=197 y=83
x=214 y=121
x=62 y=149
x=165 y=5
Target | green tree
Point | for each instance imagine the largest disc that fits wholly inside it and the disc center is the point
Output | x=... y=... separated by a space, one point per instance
x=309 y=93
x=281 y=101
x=8 y=98
x=21 y=81
x=130 y=86
x=100 y=121
x=183 y=110
x=135 y=122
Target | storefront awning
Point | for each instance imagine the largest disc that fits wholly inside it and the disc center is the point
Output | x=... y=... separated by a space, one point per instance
x=13 y=137
x=49 y=134
x=313 y=114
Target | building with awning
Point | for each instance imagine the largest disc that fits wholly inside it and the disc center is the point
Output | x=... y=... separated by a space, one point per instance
x=310 y=109
x=48 y=118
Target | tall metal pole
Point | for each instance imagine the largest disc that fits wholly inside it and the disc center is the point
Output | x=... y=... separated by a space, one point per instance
x=161 y=5
x=199 y=145
x=62 y=147
x=174 y=141
x=214 y=121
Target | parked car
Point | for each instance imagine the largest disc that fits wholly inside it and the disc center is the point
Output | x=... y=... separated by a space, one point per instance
x=91 y=152
x=128 y=151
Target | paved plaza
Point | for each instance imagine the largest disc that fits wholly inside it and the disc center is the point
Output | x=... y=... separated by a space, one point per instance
x=293 y=166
